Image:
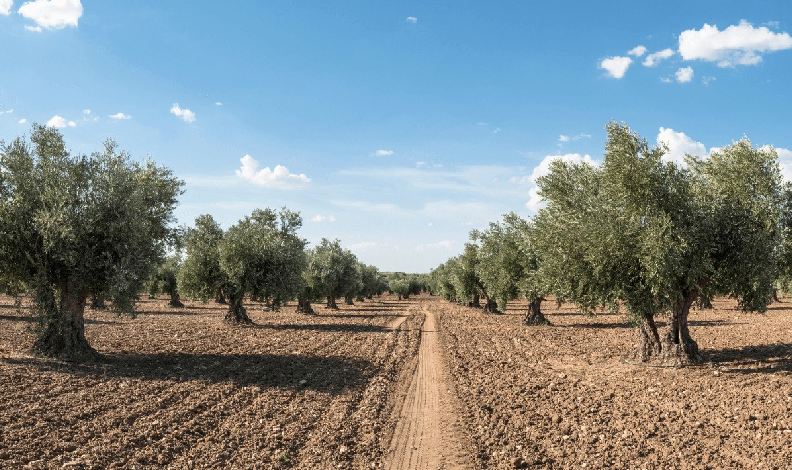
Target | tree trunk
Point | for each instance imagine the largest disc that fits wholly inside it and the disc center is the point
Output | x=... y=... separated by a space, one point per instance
x=360 y=299
x=704 y=303
x=648 y=346
x=236 y=312
x=304 y=306
x=98 y=302
x=491 y=306
x=331 y=302
x=475 y=301
x=63 y=332
x=535 y=317
x=678 y=348
x=175 y=301
x=219 y=296
x=348 y=300
x=775 y=296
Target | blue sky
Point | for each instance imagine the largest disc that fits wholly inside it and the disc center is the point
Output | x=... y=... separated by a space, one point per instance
x=395 y=126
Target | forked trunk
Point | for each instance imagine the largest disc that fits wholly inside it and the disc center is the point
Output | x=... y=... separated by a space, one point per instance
x=236 y=311
x=535 y=317
x=475 y=302
x=219 y=297
x=331 y=302
x=348 y=300
x=63 y=330
x=648 y=347
x=491 y=306
x=304 y=306
x=678 y=348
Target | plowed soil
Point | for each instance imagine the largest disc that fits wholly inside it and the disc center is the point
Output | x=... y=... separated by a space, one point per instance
x=375 y=385
x=560 y=397
x=178 y=388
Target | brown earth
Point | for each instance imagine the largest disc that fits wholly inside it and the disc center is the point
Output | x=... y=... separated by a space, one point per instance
x=560 y=397
x=178 y=388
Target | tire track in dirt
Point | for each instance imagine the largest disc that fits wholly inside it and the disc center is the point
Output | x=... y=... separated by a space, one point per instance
x=426 y=436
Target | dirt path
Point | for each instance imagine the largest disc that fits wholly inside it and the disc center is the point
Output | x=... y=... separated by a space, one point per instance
x=427 y=434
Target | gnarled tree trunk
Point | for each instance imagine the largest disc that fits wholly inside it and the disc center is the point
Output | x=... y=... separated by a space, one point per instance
x=348 y=300
x=535 y=317
x=360 y=298
x=331 y=302
x=63 y=329
x=236 y=311
x=648 y=347
x=678 y=348
x=475 y=302
x=491 y=306
x=175 y=300
x=219 y=297
x=304 y=306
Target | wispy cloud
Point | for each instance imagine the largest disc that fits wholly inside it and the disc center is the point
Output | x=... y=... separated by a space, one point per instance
x=411 y=19
x=381 y=153
x=637 y=51
x=322 y=218
x=23 y=121
x=120 y=116
x=652 y=60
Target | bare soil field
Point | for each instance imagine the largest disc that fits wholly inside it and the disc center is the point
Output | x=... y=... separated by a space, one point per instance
x=178 y=388
x=560 y=397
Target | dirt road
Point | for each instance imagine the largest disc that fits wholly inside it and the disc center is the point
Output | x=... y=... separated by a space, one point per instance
x=428 y=435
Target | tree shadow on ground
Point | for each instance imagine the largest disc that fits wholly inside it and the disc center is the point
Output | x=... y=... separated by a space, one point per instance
x=295 y=372
x=334 y=328
x=22 y=318
x=767 y=358
x=384 y=315
x=594 y=325
x=714 y=323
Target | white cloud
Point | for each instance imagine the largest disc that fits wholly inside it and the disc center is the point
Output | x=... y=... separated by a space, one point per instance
x=656 y=57
x=60 y=122
x=120 y=116
x=706 y=80
x=679 y=145
x=322 y=218
x=52 y=14
x=740 y=44
x=382 y=153
x=581 y=136
x=543 y=169
x=277 y=178
x=444 y=245
x=35 y=29
x=496 y=130
x=411 y=19
x=563 y=138
x=10 y=111
x=217 y=103
x=785 y=162
x=665 y=80
x=684 y=75
x=420 y=164
x=5 y=7
x=616 y=66
x=185 y=114
x=23 y=121
x=637 y=51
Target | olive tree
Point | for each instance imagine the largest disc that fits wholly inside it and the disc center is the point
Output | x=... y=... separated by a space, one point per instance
x=262 y=255
x=200 y=276
x=164 y=279
x=654 y=236
x=331 y=271
x=71 y=225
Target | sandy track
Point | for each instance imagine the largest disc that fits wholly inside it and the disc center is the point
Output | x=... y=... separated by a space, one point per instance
x=426 y=435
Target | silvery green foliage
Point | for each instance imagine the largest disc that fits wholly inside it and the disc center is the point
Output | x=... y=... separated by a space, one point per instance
x=466 y=282
x=262 y=255
x=200 y=275
x=441 y=280
x=70 y=225
x=371 y=281
x=506 y=260
x=331 y=270
x=653 y=235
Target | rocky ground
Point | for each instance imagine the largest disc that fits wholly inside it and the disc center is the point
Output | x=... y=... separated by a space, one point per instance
x=560 y=397
x=178 y=388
